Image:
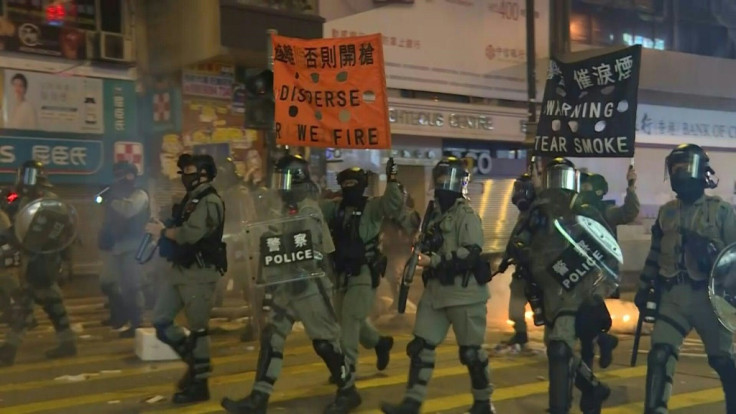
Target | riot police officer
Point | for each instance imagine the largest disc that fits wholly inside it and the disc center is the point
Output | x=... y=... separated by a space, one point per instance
x=305 y=300
x=537 y=234
x=522 y=197
x=126 y=213
x=39 y=277
x=687 y=234
x=355 y=222
x=193 y=245
x=455 y=292
x=594 y=320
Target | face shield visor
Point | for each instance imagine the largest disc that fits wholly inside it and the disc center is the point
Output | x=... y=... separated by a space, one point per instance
x=562 y=177
x=285 y=180
x=684 y=164
x=28 y=177
x=450 y=178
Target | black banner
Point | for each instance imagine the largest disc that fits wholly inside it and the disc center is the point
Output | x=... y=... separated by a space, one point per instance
x=589 y=107
x=571 y=267
x=286 y=249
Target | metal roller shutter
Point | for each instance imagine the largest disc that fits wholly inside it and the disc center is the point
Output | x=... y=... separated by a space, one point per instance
x=491 y=199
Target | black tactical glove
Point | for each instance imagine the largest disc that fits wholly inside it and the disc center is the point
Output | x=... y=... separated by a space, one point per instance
x=391 y=170
x=640 y=300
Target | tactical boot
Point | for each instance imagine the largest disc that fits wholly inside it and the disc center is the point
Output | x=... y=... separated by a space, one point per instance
x=196 y=391
x=482 y=407
x=64 y=350
x=591 y=402
x=7 y=355
x=128 y=333
x=408 y=406
x=255 y=403
x=186 y=380
x=383 y=352
x=607 y=343
x=345 y=401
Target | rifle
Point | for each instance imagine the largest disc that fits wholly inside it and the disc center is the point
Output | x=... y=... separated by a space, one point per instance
x=411 y=265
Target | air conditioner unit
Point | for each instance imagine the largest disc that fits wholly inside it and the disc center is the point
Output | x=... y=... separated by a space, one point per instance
x=116 y=47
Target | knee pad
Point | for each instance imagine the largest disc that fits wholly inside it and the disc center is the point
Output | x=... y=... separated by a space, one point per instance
x=324 y=348
x=416 y=345
x=470 y=355
x=724 y=366
x=660 y=354
x=558 y=351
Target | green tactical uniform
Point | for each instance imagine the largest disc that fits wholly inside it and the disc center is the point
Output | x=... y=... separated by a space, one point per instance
x=517 y=298
x=299 y=299
x=39 y=285
x=191 y=289
x=538 y=244
x=356 y=292
x=684 y=302
x=8 y=275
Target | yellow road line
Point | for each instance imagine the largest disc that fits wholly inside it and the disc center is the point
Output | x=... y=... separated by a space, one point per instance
x=142 y=392
x=83 y=360
x=322 y=390
x=677 y=401
x=516 y=391
x=252 y=356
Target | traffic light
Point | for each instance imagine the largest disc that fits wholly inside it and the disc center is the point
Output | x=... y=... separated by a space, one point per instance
x=259 y=101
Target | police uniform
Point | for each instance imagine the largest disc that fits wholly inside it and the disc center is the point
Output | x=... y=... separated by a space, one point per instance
x=305 y=300
x=196 y=257
x=686 y=236
x=9 y=267
x=355 y=222
x=594 y=319
x=539 y=236
x=455 y=293
x=126 y=213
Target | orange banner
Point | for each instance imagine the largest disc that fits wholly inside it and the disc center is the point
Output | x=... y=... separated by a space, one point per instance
x=331 y=92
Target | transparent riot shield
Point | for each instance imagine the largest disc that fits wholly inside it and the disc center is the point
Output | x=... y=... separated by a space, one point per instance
x=46 y=225
x=722 y=287
x=588 y=264
x=286 y=249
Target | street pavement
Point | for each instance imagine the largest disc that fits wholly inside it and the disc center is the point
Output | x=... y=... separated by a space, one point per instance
x=107 y=377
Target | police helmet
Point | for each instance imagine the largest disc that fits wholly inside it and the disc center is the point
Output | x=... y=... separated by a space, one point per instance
x=31 y=173
x=290 y=171
x=451 y=174
x=597 y=182
x=694 y=161
x=560 y=174
x=201 y=161
x=122 y=168
x=523 y=191
x=353 y=177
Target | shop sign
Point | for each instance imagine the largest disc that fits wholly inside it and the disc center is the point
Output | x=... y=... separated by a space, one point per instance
x=121 y=115
x=653 y=120
x=60 y=156
x=40 y=39
x=440 y=119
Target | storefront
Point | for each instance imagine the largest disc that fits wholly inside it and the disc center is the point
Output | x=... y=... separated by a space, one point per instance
x=422 y=131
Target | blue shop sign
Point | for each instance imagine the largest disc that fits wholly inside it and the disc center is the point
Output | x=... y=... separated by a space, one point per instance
x=62 y=157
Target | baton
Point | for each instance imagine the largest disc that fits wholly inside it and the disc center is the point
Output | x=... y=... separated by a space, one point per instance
x=637 y=337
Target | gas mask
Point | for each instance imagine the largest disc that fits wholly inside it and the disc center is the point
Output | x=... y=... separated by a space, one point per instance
x=190 y=180
x=353 y=195
x=446 y=198
x=688 y=189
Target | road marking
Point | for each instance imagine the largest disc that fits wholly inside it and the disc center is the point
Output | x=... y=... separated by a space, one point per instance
x=514 y=391
x=319 y=390
x=677 y=401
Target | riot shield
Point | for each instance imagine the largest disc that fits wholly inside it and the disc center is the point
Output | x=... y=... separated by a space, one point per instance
x=589 y=262
x=46 y=225
x=722 y=287
x=286 y=249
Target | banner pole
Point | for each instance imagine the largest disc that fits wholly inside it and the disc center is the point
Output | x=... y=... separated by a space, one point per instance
x=270 y=134
x=531 y=81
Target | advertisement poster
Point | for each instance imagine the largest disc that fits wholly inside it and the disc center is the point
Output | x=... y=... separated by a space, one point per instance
x=331 y=93
x=211 y=80
x=44 y=102
x=589 y=107
x=41 y=39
